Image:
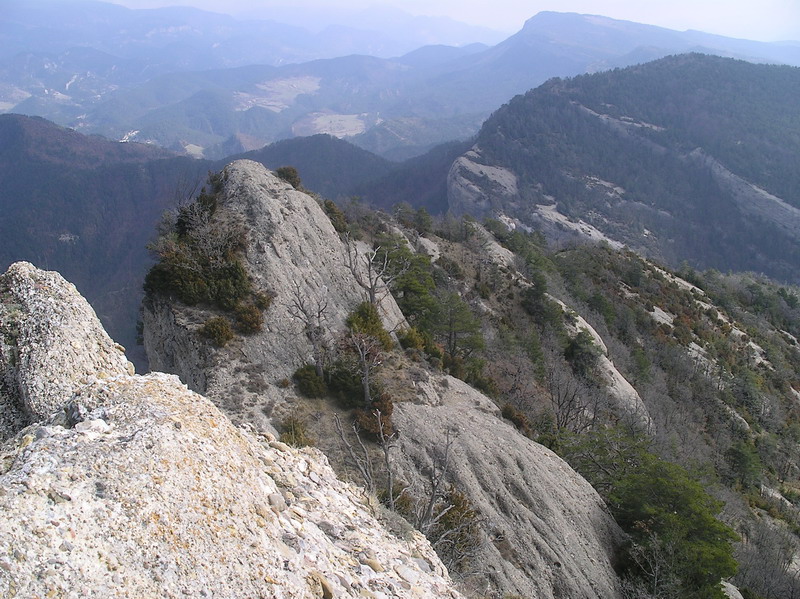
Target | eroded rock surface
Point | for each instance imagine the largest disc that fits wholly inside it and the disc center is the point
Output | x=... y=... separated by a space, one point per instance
x=50 y=342
x=292 y=251
x=134 y=486
x=546 y=531
x=549 y=533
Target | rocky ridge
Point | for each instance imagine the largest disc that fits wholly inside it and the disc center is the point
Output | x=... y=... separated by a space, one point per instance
x=40 y=325
x=548 y=532
x=292 y=252
x=544 y=530
x=134 y=486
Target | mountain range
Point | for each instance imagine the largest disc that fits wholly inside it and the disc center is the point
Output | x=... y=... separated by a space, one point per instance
x=542 y=359
x=691 y=157
x=144 y=75
x=701 y=170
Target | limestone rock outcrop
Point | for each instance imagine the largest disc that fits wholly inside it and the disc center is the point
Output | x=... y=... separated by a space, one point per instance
x=476 y=188
x=133 y=486
x=549 y=533
x=50 y=342
x=293 y=251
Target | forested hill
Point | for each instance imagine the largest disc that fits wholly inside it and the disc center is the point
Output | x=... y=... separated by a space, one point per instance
x=691 y=157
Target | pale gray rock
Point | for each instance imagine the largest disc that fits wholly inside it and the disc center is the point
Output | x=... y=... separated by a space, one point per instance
x=50 y=344
x=548 y=532
x=478 y=189
x=292 y=251
x=731 y=591
x=154 y=493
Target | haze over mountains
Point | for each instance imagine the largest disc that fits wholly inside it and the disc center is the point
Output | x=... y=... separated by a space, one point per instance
x=143 y=75
x=131 y=75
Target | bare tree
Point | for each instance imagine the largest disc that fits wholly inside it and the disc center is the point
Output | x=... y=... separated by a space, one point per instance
x=312 y=313
x=657 y=562
x=374 y=270
x=370 y=355
x=361 y=460
x=427 y=516
x=574 y=405
x=387 y=443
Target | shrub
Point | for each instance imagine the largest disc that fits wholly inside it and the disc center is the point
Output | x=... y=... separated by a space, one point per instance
x=411 y=339
x=290 y=175
x=517 y=418
x=228 y=285
x=456 y=535
x=368 y=422
x=336 y=216
x=366 y=320
x=451 y=267
x=475 y=376
x=263 y=299
x=248 y=319
x=218 y=330
x=294 y=431
x=582 y=353
x=483 y=290
x=344 y=381
x=309 y=383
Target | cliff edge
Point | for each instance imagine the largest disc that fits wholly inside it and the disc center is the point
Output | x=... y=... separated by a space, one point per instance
x=118 y=485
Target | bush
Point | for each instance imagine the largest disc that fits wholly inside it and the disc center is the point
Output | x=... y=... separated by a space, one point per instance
x=248 y=319
x=451 y=267
x=309 y=383
x=290 y=175
x=517 y=418
x=411 y=339
x=368 y=422
x=263 y=299
x=294 y=431
x=336 y=216
x=366 y=320
x=344 y=382
x=218 y=330
x=456 y=535
x=582 y=353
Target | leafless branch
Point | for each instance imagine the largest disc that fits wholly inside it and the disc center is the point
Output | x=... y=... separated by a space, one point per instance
x=313 y=313
x=362 y=462
x=374 y=270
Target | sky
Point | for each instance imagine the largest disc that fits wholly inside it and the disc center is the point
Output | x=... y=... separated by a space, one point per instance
x=764 y=20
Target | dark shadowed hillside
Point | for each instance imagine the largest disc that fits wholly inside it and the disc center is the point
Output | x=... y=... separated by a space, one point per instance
x=327 y=165
x=690 y=157
x=85 y=206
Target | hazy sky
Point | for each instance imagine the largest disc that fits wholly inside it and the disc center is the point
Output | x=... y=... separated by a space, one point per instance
x=767 y=20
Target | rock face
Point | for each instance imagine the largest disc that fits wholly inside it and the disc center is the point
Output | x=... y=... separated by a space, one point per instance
x=550 y=534
x=292 y=251
x=50 y=342
x=547 y=532
x=134 y=486
x=477 y=189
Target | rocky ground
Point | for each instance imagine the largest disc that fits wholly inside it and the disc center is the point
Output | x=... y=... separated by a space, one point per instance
x=134 y=486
